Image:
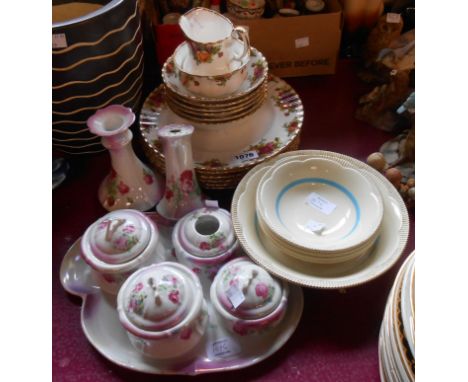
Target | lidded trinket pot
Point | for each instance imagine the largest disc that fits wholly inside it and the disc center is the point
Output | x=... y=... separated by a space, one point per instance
x=204 y=240
x=163 y=310
x=118 y=244
x=247 y=299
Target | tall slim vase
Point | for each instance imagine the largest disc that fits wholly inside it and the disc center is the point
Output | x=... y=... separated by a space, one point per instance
x=182 y=194
x=130 y=183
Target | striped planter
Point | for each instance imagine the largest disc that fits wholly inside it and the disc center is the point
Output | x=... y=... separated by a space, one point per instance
x=101 y=63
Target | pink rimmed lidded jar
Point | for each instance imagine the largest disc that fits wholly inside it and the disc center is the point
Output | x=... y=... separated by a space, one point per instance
x=119 y=243
x=247 y=299
x=163 y=311
x=204 y=241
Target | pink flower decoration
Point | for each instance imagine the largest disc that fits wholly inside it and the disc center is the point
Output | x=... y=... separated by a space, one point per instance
x=268 y=148
x=186 y=181
x=233 y=282
x=148 y=179
x=174 y=296
x=240 y=329
x=204 y=246
x=174 y=280
x=132 y=304
x=138 y=287
x=129 y=229
x=186 y=333
x=169 y=194
x=120 y=243
x=261 y=290
x=103 y=224
x=123 y=188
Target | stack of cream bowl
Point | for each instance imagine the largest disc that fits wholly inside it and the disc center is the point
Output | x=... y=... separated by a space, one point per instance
x=318 y=210
x=397 y=333
x=218 y=83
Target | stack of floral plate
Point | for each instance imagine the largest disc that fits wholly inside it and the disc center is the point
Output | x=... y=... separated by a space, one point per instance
x=233 y=132
x=397 y=333
x=320 y=219
x=208 y=99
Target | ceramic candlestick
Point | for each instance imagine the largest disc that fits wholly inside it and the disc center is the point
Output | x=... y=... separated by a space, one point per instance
x=130 y=184
x=182 y=193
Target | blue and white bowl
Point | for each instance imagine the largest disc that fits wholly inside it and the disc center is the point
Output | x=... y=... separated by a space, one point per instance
x=319 y=209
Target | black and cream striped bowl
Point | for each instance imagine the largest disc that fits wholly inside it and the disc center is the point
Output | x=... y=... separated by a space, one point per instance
x=102 y=64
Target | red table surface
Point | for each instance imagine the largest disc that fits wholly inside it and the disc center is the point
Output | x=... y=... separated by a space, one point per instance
x=337 y=336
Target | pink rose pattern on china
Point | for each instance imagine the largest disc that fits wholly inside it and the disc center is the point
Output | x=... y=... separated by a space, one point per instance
x=178 y=191
x=115 y=187
x=259 y=70
x=261 y=290
x=126 y=240
x=169 y=286
x=148 y=177
x=284 y=98
x=186 y=333
x=137 y=299
x=174 y=296
x=204 y=52
x=214 y=241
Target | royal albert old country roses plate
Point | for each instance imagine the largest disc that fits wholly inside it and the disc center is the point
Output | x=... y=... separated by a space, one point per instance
x=234 y=145
x=218 y=351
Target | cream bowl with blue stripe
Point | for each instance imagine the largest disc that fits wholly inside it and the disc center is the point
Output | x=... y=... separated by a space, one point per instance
x=318 y=205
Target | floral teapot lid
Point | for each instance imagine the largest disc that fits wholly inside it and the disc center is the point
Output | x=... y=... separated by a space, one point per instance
x=118 y=237
x=158 y=297
x=206 y=232
x=246 y=290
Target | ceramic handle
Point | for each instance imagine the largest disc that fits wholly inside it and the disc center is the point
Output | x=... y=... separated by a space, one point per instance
x=243 y=35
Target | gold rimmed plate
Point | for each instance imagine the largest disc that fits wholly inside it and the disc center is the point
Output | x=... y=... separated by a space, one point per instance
x=257 y=68
x=226 y=108
x=271 y=129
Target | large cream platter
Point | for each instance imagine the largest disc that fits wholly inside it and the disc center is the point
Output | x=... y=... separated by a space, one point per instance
x=386 y=251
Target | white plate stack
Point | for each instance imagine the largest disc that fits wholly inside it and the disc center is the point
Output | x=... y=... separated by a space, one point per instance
x=397 y=333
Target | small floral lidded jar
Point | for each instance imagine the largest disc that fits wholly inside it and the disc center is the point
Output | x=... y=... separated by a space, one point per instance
x=247 y=299
x=118 y=244
x=163 y=311
x=204 y=240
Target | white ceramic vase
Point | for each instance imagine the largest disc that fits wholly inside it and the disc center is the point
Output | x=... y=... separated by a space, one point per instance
x=130 y=184
x=182 y=194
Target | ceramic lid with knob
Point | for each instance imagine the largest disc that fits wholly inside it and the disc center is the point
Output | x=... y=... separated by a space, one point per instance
x=246 y=290
x=118 y=237
x=206 y=232
x=158 y=297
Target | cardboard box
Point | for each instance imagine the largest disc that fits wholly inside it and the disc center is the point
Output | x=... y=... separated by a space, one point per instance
x=298 y=46
x=293 y=46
